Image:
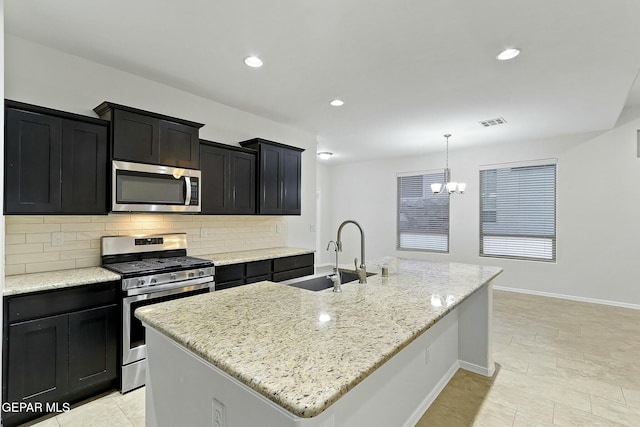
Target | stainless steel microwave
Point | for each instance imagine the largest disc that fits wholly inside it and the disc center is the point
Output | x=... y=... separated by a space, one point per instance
x=138 y=187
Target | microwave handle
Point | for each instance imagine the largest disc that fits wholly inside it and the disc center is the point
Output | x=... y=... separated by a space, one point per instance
x=187 y=182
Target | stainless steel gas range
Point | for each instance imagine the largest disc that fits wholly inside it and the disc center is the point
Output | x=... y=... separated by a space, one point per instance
x=153 y=269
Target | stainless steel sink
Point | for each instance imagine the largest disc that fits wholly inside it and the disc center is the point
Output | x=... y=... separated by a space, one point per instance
x=319 y=282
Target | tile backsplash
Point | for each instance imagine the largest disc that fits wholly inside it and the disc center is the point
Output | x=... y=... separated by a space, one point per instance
x=37 y=243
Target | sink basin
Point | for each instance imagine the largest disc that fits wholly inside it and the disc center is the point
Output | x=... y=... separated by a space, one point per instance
x=319 y=282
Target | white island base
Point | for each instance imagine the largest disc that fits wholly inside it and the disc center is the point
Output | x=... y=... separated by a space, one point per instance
x=182 y=389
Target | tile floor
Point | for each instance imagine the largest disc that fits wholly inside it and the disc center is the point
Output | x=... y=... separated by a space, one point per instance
x=560 y=363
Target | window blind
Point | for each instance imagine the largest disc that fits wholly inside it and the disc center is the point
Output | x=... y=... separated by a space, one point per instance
x=423 y=217
x=518 y=212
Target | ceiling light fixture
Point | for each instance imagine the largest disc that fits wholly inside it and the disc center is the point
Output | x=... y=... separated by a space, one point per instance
x=337 y=102
x=324 y=155
x=451 y=186
x=253 y=61
x=508 y=54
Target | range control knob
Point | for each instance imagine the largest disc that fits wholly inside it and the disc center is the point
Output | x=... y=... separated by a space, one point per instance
x=140 y=282
x=200 y=272
x=173 y=276
x=153 y=280
x=192 y=274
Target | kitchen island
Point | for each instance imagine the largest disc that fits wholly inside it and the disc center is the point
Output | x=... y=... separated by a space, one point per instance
x=273 y=355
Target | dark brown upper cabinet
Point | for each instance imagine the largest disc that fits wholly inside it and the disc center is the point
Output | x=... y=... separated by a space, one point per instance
x=55 y=162
x=228 y=179
x=145 y=137
x=279 y=179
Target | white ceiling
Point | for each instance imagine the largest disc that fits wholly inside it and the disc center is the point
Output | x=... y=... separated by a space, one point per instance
x=409 y=71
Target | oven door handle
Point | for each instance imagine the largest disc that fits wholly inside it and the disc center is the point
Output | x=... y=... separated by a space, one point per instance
x=170 y=288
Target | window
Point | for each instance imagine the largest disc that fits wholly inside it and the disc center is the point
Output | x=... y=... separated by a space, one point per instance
x=423 y=217
x=518 y=212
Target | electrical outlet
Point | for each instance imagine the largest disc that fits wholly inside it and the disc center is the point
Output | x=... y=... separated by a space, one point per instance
x=204 y=232
x=312 y=228
x=278 y=228
x=427 y=356
x=219 y=419
x=57 y=239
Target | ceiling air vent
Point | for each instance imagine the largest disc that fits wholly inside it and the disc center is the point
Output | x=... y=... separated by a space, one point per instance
x=493 y=122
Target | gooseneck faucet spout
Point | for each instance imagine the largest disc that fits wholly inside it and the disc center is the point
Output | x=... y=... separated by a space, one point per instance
x=362 y=271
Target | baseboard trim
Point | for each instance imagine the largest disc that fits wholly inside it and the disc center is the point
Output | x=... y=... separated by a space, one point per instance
x=476 y=369
x=568 y=297
x=420 y=410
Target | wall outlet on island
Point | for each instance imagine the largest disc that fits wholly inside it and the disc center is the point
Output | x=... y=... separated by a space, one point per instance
x=218 y=414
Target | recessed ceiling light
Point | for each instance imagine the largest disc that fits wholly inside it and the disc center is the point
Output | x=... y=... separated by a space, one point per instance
x=337 y=102
x=253 y=61
x=508 y=54
x=324 y=155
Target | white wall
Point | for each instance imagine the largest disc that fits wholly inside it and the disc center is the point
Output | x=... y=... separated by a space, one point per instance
x=39 y=75
x=598 y=212
x=324 y=203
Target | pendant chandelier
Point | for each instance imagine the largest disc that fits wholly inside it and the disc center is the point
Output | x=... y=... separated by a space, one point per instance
x=451 y=186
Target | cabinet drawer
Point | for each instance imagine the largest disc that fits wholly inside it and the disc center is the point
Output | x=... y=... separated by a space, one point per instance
x=292 y=274
x=258 y=278
x=43 y=304
x=228 y=273
x=258 y=268
x=231 y=284
x=292 y=262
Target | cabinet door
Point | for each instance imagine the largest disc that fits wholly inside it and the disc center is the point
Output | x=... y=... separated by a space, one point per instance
x=270 y=180
x=230 y=273
x=33 y=162
x=84 y=168
x=38 y=359
x=243 y=183
x=135 y=137
x=179 y=145
x=291 y=182
x=92 y=347
x=215 y=180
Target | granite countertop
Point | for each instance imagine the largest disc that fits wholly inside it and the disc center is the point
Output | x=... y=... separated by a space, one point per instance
x=36 y=282
x=304 y=350
x=226 y=258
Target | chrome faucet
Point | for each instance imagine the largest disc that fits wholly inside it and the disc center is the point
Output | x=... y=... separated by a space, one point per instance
x=362 y=271
x=336 y=273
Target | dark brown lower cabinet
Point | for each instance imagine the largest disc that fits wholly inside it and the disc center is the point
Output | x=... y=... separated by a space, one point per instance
x=290 y=267
x=38 y=348
x=93 y=335
x=59 y=347
x=276 y=270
